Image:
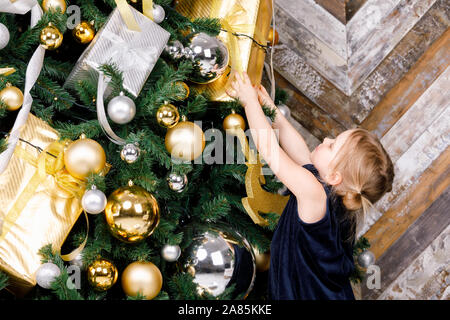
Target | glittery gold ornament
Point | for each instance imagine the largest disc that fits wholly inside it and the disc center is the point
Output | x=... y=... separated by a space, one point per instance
x=132 y=213
x=233 y=121
x=83 y=32
x=185 y=88
x=273 y=37
x=102 y=274
x=84 y=156
x=262 y=260
x=54 y=5
x=12 y=97
x=143 y=278
x=167 y=115
x=51 y=38
x=185 y=141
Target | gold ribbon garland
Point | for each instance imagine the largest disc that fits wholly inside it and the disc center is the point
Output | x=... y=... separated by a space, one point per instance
x=7 y=71
x=127 y=15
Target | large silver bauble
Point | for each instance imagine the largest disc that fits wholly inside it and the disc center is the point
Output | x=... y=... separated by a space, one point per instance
x=4 y=36
x=170 y=253
x=210 y=57
x=46 y=274
x=285 y=111
x=177 y=182
x=130 y=153
x=121 y=109
x=158 y=13
x=174 y=49
x=212 y=260
x=366 y=259
x=93 y=201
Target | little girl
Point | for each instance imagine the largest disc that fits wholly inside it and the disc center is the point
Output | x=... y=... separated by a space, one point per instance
x=312 y=246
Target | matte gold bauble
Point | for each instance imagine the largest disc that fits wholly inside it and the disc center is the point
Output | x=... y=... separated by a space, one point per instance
x=185 y=141
x=233 y=121
x=83 y=32
x=12 y=97
x=167 y=115
x=143 y=278
x=51 y=38
x=102 y=274
x=262 y=260
x=185 y=88
x=54 y=4
x=273 y=36
x=132 y=213
x=84 y=156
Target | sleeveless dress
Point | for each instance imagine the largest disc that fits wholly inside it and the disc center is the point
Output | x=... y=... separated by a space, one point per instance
x=310 y=261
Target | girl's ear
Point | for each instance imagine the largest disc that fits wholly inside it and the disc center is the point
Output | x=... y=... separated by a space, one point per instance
x=334 y=178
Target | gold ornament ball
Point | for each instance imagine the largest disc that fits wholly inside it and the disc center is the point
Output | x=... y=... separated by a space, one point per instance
x=233 y=121
x=185 y=88
x=132 y=213
x=262 y=260
x=84 y=156
x=185 y=141
x=102 y=274
x=167 y=115
x=12 y=97
x=273 y=37
x=143 y=278
x=83 y=32
x=54 y=5
x=51 y=38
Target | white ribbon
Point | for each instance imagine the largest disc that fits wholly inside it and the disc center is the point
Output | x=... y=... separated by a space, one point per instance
x=33 y=70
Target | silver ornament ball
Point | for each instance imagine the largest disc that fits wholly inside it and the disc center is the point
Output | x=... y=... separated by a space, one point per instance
x=158 y=13
x=170 y=253
x=93 y=201
x=366 y=259
x=4 y=36
x=285 y=111
x=121 y=109
x=130 y=153
x=211 y=260
x=177 y=182
x=46 y=274
x=174 y=49
x=209 y=56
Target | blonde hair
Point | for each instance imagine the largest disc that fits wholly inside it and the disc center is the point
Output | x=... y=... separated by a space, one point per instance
x=367 y=174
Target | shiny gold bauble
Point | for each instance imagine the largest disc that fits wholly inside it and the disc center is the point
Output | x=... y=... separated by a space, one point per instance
x=132 y=213
x=102 y=274
x=54 y=4
x=143 y=278
x=185 y=141
x=233 y=121
x=167 y=115
x=185 y=88
x=84 y=156
x=83 y=32
x=262 y=260
x=51 y=38
x=273 y=36
x=12 y=97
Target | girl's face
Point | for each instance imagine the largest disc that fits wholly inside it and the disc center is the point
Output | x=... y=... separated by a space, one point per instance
x=325 y=152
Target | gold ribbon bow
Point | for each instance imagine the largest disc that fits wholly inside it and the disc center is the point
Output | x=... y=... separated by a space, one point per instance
x=127 y=15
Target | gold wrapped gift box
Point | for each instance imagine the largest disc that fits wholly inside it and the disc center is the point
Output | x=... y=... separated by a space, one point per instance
x=250 y=17
x=39 y=204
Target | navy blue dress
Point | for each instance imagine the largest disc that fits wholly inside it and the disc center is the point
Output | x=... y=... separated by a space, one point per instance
x=311 y=261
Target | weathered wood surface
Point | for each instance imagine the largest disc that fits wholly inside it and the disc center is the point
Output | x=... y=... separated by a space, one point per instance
x=411 y=244
x=335 y=7
x=410 y=88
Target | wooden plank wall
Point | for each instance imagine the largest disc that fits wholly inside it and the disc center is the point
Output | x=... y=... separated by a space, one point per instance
x=393 y=78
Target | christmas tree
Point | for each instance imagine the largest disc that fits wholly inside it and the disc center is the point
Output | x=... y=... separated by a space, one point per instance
x=190 y=203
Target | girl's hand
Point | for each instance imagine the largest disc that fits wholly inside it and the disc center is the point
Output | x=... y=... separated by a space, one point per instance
x=243 y=90
x=264 y=98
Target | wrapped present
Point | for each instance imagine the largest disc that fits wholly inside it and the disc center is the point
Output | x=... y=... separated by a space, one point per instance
x=134 y=52
x=249 y=17
x=39 y=203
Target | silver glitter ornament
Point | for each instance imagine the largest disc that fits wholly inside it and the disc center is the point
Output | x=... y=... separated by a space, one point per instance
x=130 y=153
x=174 y=49
x=94 y=201
x=366 y=258
x=177 y=182
x=170 y=253
x=158 y=13
x=212 y=260
x=121 y=109
x=4 y=36
x=285 y=111
x=210 y=57
x=46 y=274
